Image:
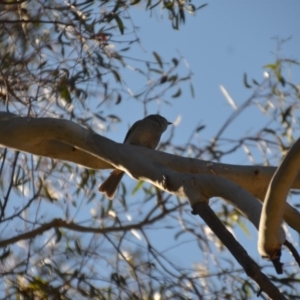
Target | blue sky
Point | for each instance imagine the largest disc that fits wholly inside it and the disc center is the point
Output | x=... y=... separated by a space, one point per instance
x=222 y=42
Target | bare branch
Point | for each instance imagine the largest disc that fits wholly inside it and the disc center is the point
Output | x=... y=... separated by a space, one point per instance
x=59 y=223
x=249 y=265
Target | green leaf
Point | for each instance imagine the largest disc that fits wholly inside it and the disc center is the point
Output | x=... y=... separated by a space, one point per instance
x=120 y=23
x=169 y=5
x=158 y=59
x=64 y=91
x=137 y=187
x=270 y=66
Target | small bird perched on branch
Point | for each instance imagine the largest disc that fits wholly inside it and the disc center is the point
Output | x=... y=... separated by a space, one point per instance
x=146 y=133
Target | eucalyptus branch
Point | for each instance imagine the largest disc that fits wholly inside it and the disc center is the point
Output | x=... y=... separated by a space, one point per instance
x=269 y=239
x=66 y=140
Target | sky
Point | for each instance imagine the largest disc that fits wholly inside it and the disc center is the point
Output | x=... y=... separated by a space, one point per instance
x=222 y=42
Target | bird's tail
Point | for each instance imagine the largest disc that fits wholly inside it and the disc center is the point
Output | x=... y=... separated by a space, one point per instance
x=109 y=186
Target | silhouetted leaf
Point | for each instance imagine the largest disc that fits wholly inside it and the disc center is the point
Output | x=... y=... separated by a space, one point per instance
x=192 y=91
x=120 y=23
x=5 y=254
x=201 y=127
x=247 y=85
x=182 y=14
x=133 y=2
x=77 y=247
x=119 y=99
x=116 y=75
x=163 y=78
x=175 y=61
x=58 y=235
x=177 y=94
x=202 y=6
x=114 y=118
x=158 y=59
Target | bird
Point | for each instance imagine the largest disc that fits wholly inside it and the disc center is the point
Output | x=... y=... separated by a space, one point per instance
x=146 y=133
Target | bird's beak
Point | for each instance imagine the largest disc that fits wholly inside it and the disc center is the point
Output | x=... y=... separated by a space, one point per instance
x=169 y=123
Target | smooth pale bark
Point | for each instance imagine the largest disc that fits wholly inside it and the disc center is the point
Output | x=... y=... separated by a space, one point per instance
x=269 y=238
x=64 y=139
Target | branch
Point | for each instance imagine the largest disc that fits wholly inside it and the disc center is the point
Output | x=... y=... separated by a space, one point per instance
x=269 y=238
x=254 y=179
x=64 y=139
x=59 y=223
x=293 y=251
x=249 y=265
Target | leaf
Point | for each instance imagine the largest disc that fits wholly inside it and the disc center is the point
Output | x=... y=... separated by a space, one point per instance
x=175 y=23
x=177 y=94
x=202 y=6
x=281 y=80
x=149 y=3
x=192 y=91
x=64 y=91
x=133 y=2
x=4 y=255
x=116 y=75
x=58 y=235
x=173 y=78
x=77 y=247
x=201 y=127
x=158 y=59
x=137 y=187
x=118 y=279
x=119 y=99
x=120 y=23
x=114 y=118
x=163 y=78
x=156 y=71
x=41 y=65
x=169 y=5
x=175 y=61
x=191 y=9
x=182 y=14
x=270 y=66
x=247 y=85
